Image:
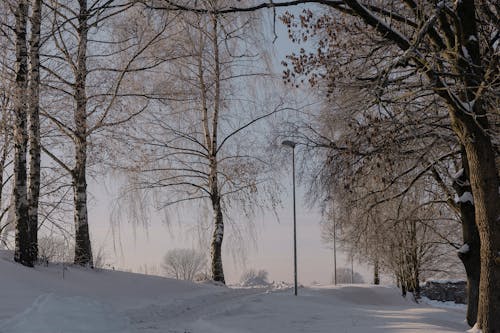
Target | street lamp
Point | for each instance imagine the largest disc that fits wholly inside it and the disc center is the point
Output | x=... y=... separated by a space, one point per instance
x=334 y=250
x=329 y=198
x=292 y=145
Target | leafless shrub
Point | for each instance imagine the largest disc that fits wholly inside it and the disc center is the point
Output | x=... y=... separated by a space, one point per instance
x=252 y=278
x=183 y=264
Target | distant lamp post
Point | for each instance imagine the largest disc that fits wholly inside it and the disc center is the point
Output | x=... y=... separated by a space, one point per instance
x=292 y=145
x=329 y=198
x=334 y=250
x=352 y=269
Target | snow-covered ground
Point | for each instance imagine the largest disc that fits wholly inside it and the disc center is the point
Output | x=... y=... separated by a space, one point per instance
x=40 y=300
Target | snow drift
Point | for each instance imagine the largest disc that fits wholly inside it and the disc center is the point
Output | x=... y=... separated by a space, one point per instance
x=44 y=300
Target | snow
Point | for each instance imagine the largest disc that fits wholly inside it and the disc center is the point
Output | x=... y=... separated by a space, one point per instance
x=458 y=174
x=40 y=300
x=468 y=106
x=464 y=249
x=447 y=304
x=475 y=329
x=466 y=53
x=493 y=37
x=445 y=281
x=50 y=313
x=465 y=197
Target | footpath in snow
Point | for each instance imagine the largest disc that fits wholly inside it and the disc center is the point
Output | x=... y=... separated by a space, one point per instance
x=99 y=301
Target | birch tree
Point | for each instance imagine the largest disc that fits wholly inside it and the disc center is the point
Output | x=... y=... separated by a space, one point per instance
x=5 y=161
x=197 y=144
x=22 y=252
x=6 y=119
x=30 y=102
x=84 y=73
x=34 y=125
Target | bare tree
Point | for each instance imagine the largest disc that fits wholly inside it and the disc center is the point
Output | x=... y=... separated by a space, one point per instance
x=34 y=124
x=54 y=249
x=346 y=276
x=452 y=48
x=253 y=278
x=20 y=192
x=6 y=133
x=31 y=102
x=84 y=74
x=184 y=264
x=367 y=56
x=197 y=144
x=5 y=152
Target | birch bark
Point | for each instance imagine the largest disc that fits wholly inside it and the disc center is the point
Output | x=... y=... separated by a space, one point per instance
x=34 y=125
x=22 y=238
x=83 y=249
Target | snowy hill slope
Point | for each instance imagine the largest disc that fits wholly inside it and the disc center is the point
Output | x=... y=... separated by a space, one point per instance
x=40 y=300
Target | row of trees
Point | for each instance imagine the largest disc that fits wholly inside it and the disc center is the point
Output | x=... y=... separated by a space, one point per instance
x=426 y=127
x=49 y=86
x=420 y=90
x=426 y=77
x=167 y=100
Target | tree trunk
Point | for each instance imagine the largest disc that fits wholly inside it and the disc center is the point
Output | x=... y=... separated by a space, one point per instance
x=218 y=234
x=3 y=160
x=376 y=272
x=217 y=269
x=469 y=255
x=485 y=186
x=83 y=249
x=472 y=129
x=34 y=127
x=22 y=253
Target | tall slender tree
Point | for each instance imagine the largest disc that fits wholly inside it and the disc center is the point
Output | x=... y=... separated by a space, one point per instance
x=22 y=252
x=84 y=72
x=34 y=124
x=196 y=144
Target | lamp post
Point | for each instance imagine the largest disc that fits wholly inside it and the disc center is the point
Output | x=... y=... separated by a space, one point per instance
x=329 y=198
x=292 y=145
x=334 y=251
x=352 y=269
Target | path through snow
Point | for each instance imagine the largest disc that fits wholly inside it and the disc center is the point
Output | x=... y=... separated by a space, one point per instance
x=86 y=301
x=55 y=314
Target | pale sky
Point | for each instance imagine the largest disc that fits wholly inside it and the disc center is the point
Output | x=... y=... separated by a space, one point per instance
x=272 y=249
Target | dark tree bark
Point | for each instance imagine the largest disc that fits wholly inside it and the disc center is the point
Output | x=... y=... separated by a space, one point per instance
x=22 y=253
x=484 y=183
x=376 y=273
x=470 y=253
x=470 y=126
x=83 y=249
x=218 y=234
x=217 y=237
x=34 y=126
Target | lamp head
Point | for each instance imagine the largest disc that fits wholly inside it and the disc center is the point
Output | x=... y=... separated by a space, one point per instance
x=289 y=143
